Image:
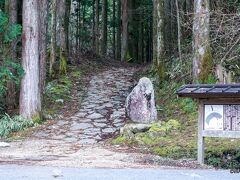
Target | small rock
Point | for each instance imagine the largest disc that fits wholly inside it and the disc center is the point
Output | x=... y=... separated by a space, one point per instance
x=71 y=140
x=95 y=116
x=81 y=114
x=77 y=126
x=87 y=141
x=130 y=129
x=3 y=144
x=108 y=130
x=57 y=173
x=101 y=125
x=61 y=123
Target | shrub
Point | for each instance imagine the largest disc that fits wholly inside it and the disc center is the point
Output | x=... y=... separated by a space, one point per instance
x=9 y=125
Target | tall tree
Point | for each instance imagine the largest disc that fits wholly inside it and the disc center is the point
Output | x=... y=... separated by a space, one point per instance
x=118 y=45
x=66 y=24
x=104 y=28
x=30 y=100
x=78 y=25
x=179 y=31
x=97 y=26
x=11 y=6
x=202 y=58
x=158 y=37
x=140 y=50
x=43 y=18
x=63 y=37
x=93 y=27
x=124 y=43
x=114 y=28
x=53 y=37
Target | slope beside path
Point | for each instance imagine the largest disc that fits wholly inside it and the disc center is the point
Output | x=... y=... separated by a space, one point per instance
x=78 y=141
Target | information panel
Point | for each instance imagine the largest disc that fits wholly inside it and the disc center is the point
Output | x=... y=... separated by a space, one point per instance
x=222 y=117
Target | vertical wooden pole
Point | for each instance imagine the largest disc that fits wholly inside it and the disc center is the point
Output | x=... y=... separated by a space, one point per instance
x=200 y=134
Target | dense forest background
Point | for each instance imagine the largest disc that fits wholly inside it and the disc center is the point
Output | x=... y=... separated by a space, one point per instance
x=192 y=41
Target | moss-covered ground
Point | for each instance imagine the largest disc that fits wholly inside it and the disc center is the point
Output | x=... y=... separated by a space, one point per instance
x=175 y=133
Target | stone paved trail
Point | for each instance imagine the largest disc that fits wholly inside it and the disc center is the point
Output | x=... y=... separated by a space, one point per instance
x=76 y=141
x=102 y=112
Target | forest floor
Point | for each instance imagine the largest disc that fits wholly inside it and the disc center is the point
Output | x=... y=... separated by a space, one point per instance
x=80 y=135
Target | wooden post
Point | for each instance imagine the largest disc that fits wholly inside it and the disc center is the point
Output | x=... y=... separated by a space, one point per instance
x=200 y=134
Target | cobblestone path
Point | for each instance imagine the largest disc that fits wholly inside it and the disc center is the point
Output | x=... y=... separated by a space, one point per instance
x=102 y=111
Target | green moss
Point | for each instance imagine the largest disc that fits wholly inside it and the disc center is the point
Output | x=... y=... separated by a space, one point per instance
x=63 y=64
x=175 y=151
x=155 y=127
x=60 y=89
x=206 y=71
x=160 y=151
x=119 y=140
x=76 y=74
x=128 y=57
x=161 y=71
x=165 y=126
x=37 y=118
x=123 y=140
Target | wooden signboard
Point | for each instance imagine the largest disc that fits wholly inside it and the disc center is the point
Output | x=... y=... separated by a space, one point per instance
x=217 y=120
x=222 y=117
x=219 y=111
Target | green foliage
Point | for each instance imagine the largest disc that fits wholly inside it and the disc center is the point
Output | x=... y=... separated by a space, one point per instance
x=119 y=140
x=3 y=21
x=10 y=69
x=128 y=57
x=12 y=32
x=226 y=158
x=165 y=126
x=76 y=74
x=188 y=105
x=59 y=90
x=9 y=125
x=63 y=64
x=6 y=75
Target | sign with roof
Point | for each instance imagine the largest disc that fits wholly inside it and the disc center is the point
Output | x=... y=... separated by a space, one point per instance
x=219 y=111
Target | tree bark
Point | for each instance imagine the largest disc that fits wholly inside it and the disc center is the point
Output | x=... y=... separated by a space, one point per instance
x=118 y=46
x=114 y=29
x=140 y=38
x=124 y=43
x=158 y=26
x=63 y=38
x=202 y=58
x=53 y=37
x=179 y=32
x=93 y=27
x=97 y=26
x=158 y=38
x=30 y=99
x=11 y=88
x=66 y=25
x=104 y=30
x=79 y=26
x=43 y=20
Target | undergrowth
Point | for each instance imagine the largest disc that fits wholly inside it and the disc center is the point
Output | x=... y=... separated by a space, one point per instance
x=175 y=134
x=9 y=124
x=59 y=91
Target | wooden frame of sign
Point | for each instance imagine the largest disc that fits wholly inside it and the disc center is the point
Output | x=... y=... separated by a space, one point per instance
x=223 y=121
x=219 y=111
